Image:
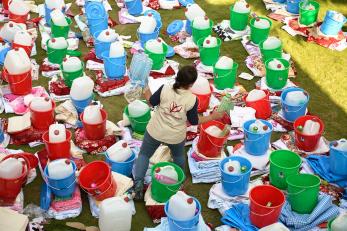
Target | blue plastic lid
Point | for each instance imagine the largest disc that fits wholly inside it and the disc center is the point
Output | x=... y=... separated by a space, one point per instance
x=45 y=197
x=155 y=14
x=186 y=2
x=95 y=10
x=170 y=51
x=174 y=27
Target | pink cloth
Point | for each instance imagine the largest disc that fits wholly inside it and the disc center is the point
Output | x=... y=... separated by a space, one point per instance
x=65 y=205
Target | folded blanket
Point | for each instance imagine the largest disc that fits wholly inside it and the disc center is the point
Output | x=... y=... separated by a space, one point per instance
x=238 y=217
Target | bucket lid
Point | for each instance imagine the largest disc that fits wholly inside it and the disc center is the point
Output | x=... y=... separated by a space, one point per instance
x=45 y=197
x=174 y=27
x=95 y=10
x=186 y=2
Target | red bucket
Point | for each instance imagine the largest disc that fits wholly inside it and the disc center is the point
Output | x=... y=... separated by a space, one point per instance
x=261 y=106
x=42 y=120
x=204 y=101
x=95 y=131
x=5 y=4
x=20 y=84
x=18 y=18
x=307 y=143
x=208 y=145
x=59 y=150
x=26 y=48
x=262 y=213
x=96 y=179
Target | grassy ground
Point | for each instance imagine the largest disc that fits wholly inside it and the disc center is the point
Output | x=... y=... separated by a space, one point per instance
x=321 y=72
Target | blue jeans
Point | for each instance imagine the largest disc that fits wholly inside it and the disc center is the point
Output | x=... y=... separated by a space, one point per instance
x=149 y=146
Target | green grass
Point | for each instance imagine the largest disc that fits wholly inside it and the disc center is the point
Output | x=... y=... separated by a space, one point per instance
x=322 y=72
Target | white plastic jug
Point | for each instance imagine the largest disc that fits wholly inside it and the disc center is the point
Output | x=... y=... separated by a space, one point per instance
x=60 y=169
x=182 y=206
x=167 y=172
x=214 y=131
x=148 y=24
x=201 y=86
x=340 y=223
x=225 y=63
x=255 y=95
x=108 y=35
x=58 y=43
x=41 y=104
x=72 y=64
x=23 y=38
x=338 y=16
x=272 y=43
x=276 y=64
x=55 y=4
x=92 y=114
x=258 y=127
x=17 y=61
x=11 y=168
x=295 y=98
x=241 y=7
x=58 y=18
x=261 y=23
x=193 y=11
x=232 y=167
x=209 y=42
x=311 y=127
x=155 y=46
x=18 y=8
x=116 y=50
x=341 y=145
x=115 y=214
x=137 y=108
x=57 y=133
x=85 y=83
x=119 y=152
x=201 y=23
x=9 y=30
x=309 y=7
x=274 y=227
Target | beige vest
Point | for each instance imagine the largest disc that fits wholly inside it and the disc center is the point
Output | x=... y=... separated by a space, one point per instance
x=168 y=124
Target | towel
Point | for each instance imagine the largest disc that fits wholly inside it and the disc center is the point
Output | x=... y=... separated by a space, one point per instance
x=164 y=226
x=321 y=166
x=238 y=217
x=324 y=211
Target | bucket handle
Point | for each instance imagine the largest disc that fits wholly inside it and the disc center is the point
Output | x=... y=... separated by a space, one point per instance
x=157 y=30
x=286 y=109
x=233 y=182
x=174 y=191
x=262 y=215
x=58 y=189
x=194 y=226
x=92 y=98
x=297 y=193
x=255 y=139
x=19 y=82
x=223 y=76
x=219 y=146
x=97 y=192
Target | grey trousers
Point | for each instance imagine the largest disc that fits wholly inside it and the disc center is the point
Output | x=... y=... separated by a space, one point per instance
x=149 y=146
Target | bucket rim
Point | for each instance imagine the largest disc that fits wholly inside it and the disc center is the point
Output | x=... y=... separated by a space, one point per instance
x=106 y=55
x=198 y=206
x=128 y=161
x=45 y=137
x=166 y=164
x=210 y=123
x=252 y=121
x=312 y=117
x=305 y=175
x=290 y=89
x=251 y=23
x=267 y=207
x=72 y=72
x=46 y=173
x=103 y=114
x=109 y=174
x=284 y=62
x=267 y=95
x=126 y=111
x=156 y=30
x=96 y=34
x=287 y=151
x=69 y=22
x=201 y=42
x=221 y=167
x=165 y=48
x=235 y=66
x=315 y=3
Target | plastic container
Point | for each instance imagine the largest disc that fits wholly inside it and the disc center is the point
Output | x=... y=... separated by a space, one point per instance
x=92 y=114
x=182 y=206
x=148 y=24
x=58 y=150
x=224 y=78
x=257 y=144
x=85 y=83
x=56 y=50
x=72 y=64
x=271 y=48
x=143 y=38
x=198 y=33
x=41 y=104
x=333 y=23
x=20 y=84
x=155 y=46
x=115 y=68
x=96 y=16
x=57 y=133
x=124 y=167
x=23 y=39
x=9 y=30
x=103 y=41
x=137 y=108
x=19 y=11
x=158 y=59
x=232 y=167
x=276 y=226
x=304 y=142
x=17 y=62
x=209 y=55
x=119 y=152
x=293 y=6
x=276 y=78
x=339 y=223
x=134 y=7
x=58 y=18
x=55 y=4
x=60 y=169
x=201 y=86
x=193 y=11
x=338 y=157
x=235 y=184
x=61 y=31
x=308 y=16
x=11 y=168
x=138 y=124
x=311 y=127
x=224 y=63
x=238 y=17
x=259 y=100
x=93 y=130
x=283 y=163
x=260 y=29
x=115 y=212
x=117 y=50
x=166 y=175
x=42 y=118
x=293 y=104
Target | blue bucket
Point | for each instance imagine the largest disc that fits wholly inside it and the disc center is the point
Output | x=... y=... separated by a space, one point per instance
x=100 y=46
x=80 y=105
x=338 y=161
x=292 y=112
x=2 y=136
x=330 y=26
x=293 y=6
x=134 y=7
x=62 y=187
x=115 y=68
x=280 y=1
x=180 y=225
x=236 y=184
x=97 y=17
x=257 y=144
x=143 y=38
x=125 y=168
x=47 y=14
x=189 y=27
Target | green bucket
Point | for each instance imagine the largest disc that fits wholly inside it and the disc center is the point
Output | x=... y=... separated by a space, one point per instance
x=225 y=78
x=200 y=34
x=60 y=31
x=69 y=77
x=138 y=124
x=158 y=59
x=308 y=17
x=209 y=56
x=277 y=79
x=303 y=192
x=56 y=56
x=238 y=21
x=270 y=53
x=257 y=34
x=283 y=163
x=162 y=192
